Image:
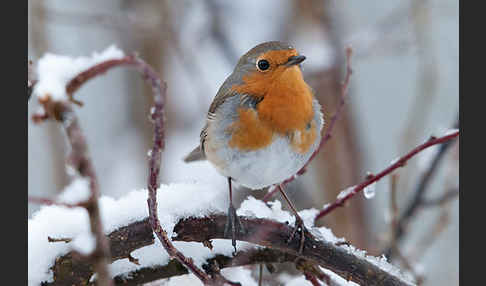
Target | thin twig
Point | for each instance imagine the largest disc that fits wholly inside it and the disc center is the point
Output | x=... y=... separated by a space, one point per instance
x=260 y=274
x=370 y=179
x=444 y=198
x=327 y=134
x=312 y=279
x=394 y=222
x=428 y=239
x=159 y=89
x=62 y=239
x=419 y=194
x=79 y=158
x=49 y=202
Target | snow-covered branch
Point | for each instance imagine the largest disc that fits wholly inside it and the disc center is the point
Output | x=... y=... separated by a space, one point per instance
x=80 y=161
x=134 y=249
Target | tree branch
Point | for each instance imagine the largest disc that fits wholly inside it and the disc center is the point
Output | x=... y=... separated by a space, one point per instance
x=79 y=159
x=419 y=194
x=71 y=270
x=274 y=235
x=370 y=179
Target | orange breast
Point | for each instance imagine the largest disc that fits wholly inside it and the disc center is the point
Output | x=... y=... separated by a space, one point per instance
x=249 y=133
x=286 y=109
x=287 y=106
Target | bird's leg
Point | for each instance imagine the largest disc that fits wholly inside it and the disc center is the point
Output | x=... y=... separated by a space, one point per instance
x=233 y=223
x=299 y=223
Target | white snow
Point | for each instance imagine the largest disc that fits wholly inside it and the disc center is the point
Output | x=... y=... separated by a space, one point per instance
x=55 y=71
x=450 y=131
x=299 y=280
x=345 y=192
x=85 y=243
x=175 y=201
x=76 y=192
x=381 y=262
x=394 y=161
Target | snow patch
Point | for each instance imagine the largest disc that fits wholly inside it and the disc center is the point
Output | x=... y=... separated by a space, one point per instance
x=55 y=71
x=76 y=192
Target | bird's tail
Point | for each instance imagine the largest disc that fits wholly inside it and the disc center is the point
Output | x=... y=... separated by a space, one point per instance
x=196 y=155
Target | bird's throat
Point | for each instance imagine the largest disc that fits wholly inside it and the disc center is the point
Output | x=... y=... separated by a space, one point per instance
x=287 y=104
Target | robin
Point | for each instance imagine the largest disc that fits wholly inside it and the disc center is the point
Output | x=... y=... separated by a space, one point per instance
x=262 y=126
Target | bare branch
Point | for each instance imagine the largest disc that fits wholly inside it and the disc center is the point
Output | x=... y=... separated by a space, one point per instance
x=419 y=194
x=79 y=158
x=444 y=198
x=274 y=235
x=397 y=164
x=49 y=202
x=69 y=270
x=159 y=89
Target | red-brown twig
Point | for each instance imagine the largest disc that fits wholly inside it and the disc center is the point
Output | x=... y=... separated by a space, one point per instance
x=49 y=202
x=159 y=90
x=312 y=279
x=327 y=134
x=79 y=158
x=370 y=179
x=419 y=194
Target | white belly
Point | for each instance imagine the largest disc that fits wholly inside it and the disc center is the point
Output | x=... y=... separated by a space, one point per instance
x=262 y=168
x=255 y=169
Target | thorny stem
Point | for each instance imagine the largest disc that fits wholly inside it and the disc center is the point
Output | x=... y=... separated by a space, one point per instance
x=327 y=134
x=159 y=90
x=79 y=158
x=370 y=179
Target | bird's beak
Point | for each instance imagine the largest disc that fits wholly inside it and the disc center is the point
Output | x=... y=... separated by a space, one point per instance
x=294 y=60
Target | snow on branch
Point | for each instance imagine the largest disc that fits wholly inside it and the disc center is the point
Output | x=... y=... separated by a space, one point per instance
x=80 y=161
x=136 y=254
x=397 y=163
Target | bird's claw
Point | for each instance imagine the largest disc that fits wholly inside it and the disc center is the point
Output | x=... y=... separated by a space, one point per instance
x=302 y=230
x=233 y=225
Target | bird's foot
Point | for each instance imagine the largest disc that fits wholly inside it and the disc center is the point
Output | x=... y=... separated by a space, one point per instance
x=300 y=228
x=233 y=226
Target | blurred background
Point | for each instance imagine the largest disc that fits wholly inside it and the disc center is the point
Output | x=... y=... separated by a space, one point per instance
x=404 y=88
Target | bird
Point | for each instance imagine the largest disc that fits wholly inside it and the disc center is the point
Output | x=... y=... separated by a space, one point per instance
x=262 y=127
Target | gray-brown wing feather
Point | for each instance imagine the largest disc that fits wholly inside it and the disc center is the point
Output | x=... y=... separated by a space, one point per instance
x=223 y=93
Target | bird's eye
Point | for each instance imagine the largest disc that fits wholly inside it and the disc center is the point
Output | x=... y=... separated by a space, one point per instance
x=263 y=65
